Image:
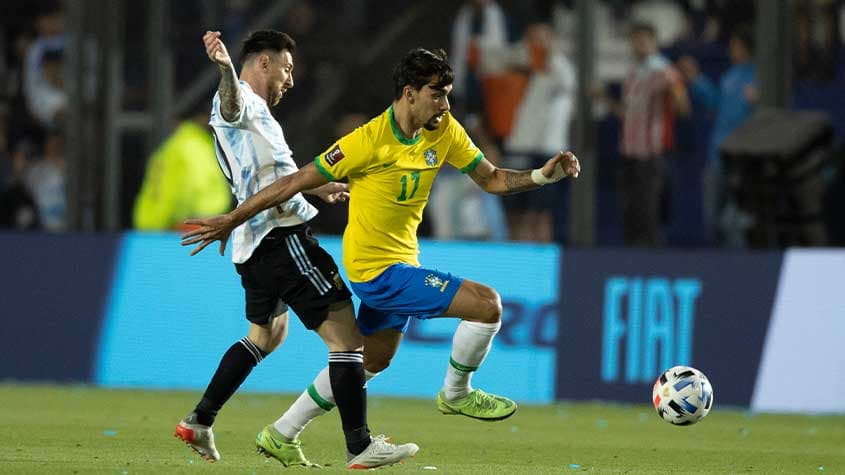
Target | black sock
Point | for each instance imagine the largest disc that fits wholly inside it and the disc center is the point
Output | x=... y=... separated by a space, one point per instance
x=234 y=367
x=346 y=372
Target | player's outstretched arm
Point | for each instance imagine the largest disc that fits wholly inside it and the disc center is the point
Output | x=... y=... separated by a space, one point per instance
x=332 y=192
x=218 y=228
x=502 y=181
x=231 y=101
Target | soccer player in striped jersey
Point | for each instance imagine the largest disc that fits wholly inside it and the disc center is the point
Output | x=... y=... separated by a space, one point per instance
x=390 y=163
x=280 y=262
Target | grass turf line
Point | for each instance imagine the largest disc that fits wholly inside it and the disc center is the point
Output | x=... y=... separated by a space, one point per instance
x=69 y=429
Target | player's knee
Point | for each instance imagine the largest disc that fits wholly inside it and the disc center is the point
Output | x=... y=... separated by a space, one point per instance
x=269 y=344
x=350 y=342
x=270 y=336
x=274 y=342
x=376 y=365
x=490 y=306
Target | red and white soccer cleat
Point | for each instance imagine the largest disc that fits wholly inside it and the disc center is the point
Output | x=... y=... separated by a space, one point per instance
x=198 y=437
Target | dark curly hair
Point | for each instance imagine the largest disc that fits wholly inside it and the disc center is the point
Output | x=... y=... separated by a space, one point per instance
x=419 y=67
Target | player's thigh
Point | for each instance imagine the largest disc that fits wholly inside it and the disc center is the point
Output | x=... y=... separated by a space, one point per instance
x=338 y=330
x=262 y=300
x=379 y=349
x=309 y=280
x=475 y=302
x=268 y=336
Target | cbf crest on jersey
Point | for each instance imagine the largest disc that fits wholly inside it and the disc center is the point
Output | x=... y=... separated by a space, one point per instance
x=430 y=157
x=432 y=280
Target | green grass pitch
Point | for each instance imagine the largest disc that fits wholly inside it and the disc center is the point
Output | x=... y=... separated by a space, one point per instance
x=57 y=429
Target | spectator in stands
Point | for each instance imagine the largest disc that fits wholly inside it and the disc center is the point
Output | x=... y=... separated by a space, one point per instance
x=17 y=207
x=45 y=178
x=183 y=178
x=47 y=102
x=652 y=94
x=541 y=128
x=666 y=16
x=816 y=44
x=733 y=101
x=479 y=25
x=458 y=207
x=707 y=21
x=43 y=85
x=479 y=47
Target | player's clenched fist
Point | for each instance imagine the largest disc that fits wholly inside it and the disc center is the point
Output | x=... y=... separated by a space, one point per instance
x=215 y=49
x=562 y=165
x=570 y=164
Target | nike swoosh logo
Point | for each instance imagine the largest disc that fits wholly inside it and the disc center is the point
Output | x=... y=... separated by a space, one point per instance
x=274 y=443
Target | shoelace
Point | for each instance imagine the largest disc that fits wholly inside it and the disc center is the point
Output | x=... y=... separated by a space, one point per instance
x=484 y=400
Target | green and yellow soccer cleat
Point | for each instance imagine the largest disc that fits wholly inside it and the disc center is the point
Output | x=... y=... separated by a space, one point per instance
x=478 y=405
x=273 y=444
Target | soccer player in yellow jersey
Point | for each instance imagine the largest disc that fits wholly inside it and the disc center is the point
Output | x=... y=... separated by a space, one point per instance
x=391 y=163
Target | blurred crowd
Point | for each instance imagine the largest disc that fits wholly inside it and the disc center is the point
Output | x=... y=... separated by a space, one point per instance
x=32 y=110
x=674 y=79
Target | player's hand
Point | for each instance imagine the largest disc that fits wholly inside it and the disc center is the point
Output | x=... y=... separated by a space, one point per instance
x=215 y=49
x=208 y=230
x=563 y=164
x=332 y=192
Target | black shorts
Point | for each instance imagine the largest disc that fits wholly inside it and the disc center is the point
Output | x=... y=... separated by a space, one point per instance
x=290 y=268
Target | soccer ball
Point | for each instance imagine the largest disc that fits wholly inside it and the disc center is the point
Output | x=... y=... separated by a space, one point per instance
x=682 y=395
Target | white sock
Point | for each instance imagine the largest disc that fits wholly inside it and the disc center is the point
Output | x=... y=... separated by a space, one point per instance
x=470 y=346
x=312 y=403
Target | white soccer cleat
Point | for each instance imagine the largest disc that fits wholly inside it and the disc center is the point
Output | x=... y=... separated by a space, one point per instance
x=198 y=437
x=380 y=453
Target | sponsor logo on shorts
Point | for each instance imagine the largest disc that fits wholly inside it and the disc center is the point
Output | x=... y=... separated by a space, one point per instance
x=334 y=155
x=338 y=282
x=432 y=280
x=430 y=157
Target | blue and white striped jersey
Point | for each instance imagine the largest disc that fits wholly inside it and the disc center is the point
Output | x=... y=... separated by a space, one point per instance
x=253 y=153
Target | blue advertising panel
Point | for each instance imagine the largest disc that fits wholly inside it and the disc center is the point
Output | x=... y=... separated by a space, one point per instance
x=626 y=316
x=170 y=317
x=54 y=290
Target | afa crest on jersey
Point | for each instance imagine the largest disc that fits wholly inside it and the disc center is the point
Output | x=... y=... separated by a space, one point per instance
x=430 y=157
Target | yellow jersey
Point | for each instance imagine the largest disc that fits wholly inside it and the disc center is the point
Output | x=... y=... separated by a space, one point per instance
x=390 y=178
